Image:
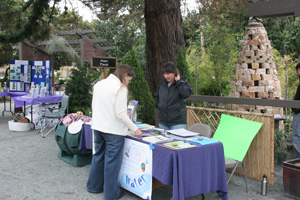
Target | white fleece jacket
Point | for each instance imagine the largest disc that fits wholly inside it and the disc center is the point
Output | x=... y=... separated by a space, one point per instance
x=109 y=107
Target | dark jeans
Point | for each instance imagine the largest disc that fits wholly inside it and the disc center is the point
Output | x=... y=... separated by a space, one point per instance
x=172 y=127
x=106 y=164
x=296 y=134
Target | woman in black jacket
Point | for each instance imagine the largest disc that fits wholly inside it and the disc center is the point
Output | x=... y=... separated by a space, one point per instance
x=170 y=98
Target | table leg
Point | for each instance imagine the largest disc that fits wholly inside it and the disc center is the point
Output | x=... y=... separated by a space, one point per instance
x=24 y=109
x=31 y=115
x=32 y=118
x=4 y=110
x=4 y=106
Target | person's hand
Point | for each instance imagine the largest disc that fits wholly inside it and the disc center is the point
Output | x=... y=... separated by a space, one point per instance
x=177 y=77
x=138 y=133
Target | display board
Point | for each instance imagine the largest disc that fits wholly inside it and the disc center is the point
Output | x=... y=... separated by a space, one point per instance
x=40 y=73
x=23 y=73
x=136 y=170
x=20 y=75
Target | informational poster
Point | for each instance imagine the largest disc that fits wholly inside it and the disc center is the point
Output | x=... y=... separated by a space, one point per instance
x=136 y=171
x=40 y=73
x=20 y=75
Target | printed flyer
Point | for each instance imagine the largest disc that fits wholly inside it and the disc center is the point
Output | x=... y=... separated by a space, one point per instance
x=136 y=170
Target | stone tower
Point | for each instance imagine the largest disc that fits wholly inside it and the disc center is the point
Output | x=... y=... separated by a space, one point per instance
x=255 y=70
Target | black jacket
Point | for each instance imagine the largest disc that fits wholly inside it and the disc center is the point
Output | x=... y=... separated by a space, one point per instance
x=170 y=101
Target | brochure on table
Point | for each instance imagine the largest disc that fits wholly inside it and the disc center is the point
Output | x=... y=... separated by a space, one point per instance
x=136 y=170
x=23 y=73
x=157 y=139
x=178 y=145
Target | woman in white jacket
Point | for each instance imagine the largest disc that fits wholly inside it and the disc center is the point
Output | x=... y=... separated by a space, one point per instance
x=110 y=124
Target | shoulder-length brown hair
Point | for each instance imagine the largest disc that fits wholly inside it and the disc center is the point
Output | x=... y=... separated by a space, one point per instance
x=121 y=72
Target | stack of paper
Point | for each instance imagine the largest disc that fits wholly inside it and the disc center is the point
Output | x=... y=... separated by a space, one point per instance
x=182 y=132
x=143 y=126
x=157 y=139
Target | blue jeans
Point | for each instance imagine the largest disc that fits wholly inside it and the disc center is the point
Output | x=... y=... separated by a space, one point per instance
x=296 y=134
x=172 y=127
x=106 y=165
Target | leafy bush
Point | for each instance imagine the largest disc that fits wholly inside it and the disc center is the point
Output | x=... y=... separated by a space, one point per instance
x=280 y=148
x=79 y=89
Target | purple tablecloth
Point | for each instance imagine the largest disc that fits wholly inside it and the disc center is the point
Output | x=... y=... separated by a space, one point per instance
x=191 y=171
x=12 y=94
x=86 y=138
x=19 y=101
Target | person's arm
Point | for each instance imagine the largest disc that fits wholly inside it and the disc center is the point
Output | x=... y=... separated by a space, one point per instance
x=185 y=88
x=121 y=111
x=297 y=97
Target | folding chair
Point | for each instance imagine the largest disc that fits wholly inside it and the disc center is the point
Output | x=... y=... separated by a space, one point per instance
x=53 y=113
x=236 y=134
x=202 y=129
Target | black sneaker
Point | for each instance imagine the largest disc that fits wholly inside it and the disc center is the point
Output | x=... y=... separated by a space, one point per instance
x=94 y=192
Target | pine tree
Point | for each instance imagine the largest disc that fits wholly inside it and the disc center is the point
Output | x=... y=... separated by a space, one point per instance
x=140 y=91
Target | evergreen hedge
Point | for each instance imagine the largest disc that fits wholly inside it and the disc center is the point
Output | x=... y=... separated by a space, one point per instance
x=183 y=67
x=140 y=91
x=79 y=89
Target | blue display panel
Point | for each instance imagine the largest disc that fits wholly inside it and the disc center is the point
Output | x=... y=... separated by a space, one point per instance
x=20 y=75
x=24 y=72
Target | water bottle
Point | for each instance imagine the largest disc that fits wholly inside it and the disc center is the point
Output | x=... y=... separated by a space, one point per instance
x=5 y=87
x=264 y=186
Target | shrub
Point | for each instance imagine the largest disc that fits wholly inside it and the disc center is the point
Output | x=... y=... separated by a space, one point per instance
x=140 y=91
x=79 y=89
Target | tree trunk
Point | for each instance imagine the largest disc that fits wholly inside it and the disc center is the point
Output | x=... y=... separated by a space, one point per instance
x=164 y=37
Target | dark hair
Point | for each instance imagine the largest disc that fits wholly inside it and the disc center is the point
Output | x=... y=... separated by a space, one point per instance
x=122 y=71
x=169 y=67
x=297 y=66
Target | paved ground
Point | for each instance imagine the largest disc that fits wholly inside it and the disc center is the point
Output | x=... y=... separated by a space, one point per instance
x=31 y=170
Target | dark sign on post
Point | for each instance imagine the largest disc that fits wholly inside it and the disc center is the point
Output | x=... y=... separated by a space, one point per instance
x=98 y=62
x=104 y=64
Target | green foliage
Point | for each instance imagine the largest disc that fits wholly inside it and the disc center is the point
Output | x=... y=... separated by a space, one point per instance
x=284 y=34
x=280 y=147
x=125 y=36
x=140 y=90
x=8 y=52
x=287 y=74
x=191 y=29
x=215 y=65
x=23 y=20
x=79 y=88
x=182 y=65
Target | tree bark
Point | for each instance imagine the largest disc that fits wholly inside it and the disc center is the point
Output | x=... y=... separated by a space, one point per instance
x=164 y=37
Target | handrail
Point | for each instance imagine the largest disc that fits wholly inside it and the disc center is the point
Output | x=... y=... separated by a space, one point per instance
x=247 y=101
